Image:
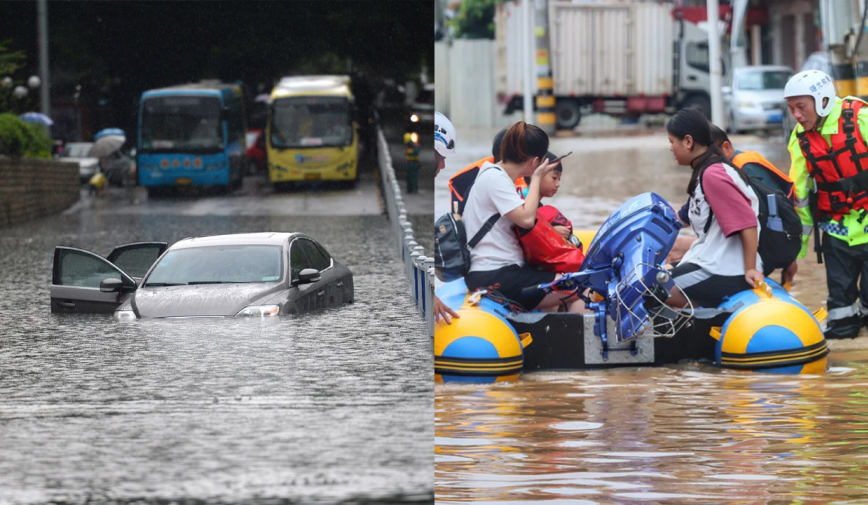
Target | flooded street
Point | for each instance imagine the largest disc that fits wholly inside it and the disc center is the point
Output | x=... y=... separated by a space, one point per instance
x=330 y=406
x=682 y=434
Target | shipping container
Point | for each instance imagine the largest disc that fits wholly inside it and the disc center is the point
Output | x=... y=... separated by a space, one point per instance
x=616 y=57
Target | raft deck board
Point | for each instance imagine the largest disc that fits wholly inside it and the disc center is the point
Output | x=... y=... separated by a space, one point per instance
x=567 y=342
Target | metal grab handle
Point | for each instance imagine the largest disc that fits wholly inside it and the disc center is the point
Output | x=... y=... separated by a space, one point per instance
x=67 y=305
x=320 y=293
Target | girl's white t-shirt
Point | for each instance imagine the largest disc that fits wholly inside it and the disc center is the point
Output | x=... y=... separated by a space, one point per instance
x=714 y=251
x=493 y=192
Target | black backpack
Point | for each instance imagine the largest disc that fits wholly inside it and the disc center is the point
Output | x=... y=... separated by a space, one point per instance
x=780 y=239
x=451 y=249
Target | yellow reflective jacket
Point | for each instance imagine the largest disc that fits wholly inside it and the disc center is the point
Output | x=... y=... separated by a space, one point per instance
x=851 y=230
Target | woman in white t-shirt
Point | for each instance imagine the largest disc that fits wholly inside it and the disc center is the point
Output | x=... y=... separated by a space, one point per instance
x=497 y=262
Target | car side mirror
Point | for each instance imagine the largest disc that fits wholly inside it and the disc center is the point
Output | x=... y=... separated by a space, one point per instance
x=726 y=90
x=308 y=275
x=111 y=285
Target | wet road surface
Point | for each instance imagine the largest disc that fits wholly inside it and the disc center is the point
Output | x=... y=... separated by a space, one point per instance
x=679 y=434
x=329 y=406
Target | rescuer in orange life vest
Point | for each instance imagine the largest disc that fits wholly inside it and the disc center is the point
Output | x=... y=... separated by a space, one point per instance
x=829 y=162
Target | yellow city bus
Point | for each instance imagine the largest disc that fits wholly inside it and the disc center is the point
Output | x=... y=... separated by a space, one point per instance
x=311 y=133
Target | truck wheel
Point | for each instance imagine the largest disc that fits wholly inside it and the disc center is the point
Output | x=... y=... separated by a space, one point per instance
x=568 y=114
x=700 y=103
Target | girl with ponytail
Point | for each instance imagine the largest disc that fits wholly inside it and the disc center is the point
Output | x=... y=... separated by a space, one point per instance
x=722 y=210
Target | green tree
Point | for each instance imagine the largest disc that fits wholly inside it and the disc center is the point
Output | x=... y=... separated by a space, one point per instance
x=10 y=61
x=18 y=138
x=475 y=19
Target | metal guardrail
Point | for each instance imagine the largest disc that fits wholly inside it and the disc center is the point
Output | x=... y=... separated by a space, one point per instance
x=418 y=267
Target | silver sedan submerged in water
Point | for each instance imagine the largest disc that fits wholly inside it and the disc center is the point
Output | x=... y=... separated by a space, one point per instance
x=253 y=274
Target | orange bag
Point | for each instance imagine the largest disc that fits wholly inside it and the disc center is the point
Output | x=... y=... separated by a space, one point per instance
x=544 y=248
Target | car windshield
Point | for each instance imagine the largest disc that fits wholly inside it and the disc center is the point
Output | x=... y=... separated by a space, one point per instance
x=77 y=150
x=758 y=81
x=181 y=124
x=311 y=121
x=218 y=265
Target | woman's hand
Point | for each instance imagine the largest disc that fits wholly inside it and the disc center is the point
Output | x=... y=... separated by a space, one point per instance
x=441 y=310
x=543 y=170
x=563 y=231
x=753 y=276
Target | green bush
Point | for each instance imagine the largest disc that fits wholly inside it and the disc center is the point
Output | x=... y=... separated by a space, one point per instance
x=18 y=138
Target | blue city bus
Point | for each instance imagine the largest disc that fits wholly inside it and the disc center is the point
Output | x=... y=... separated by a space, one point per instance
x=191 y=135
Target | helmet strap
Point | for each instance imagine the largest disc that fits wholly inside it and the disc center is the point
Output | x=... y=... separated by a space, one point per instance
x=819 y=122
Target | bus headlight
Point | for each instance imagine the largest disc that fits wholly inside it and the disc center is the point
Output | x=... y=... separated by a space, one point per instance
x=259 y=311
x=414 y=118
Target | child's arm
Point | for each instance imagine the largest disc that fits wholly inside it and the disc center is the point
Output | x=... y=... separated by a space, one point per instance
x=563 y=231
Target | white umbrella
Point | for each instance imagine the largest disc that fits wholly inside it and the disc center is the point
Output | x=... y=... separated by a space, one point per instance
x=106 y=145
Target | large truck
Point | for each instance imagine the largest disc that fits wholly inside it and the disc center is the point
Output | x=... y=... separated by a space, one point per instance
x=615 y=58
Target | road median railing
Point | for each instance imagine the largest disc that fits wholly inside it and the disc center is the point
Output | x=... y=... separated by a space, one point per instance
x=418 y=267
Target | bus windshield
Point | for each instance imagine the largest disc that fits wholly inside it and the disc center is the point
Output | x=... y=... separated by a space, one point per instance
x=311 y=121
x=189 y=124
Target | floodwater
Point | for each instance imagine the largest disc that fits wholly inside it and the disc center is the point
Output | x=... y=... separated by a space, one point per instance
x=680 y=434
x=331 y=406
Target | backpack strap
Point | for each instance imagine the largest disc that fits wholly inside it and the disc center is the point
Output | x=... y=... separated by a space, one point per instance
x=484 y=230
x=710 y=210
x=489 y=224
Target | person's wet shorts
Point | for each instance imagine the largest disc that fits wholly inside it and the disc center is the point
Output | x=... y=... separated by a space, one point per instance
x=705 y=289
x=509 y=281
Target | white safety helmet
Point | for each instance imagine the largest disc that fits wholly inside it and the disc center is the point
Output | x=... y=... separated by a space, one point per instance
x=444 y=135
x=816 y=84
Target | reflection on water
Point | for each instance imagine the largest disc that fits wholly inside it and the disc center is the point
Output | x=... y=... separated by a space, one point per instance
x=684 y=434
x=332 y=406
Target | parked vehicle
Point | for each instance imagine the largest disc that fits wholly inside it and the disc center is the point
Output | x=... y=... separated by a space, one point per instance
x=192 y=135
x=615 y=58
x=753 y=97
x=819 y=60
x=420 y=116
x=311 y=133
x=76 y=152
x=257 y=160
x=253 y=274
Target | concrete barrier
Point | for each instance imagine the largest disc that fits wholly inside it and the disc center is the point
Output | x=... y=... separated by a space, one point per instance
x=418 y=267
x=32 y=189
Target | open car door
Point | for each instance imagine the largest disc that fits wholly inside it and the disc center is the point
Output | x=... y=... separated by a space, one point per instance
x=136 y=259
x=77 y=281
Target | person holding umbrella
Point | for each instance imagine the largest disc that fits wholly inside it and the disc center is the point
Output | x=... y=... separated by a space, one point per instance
x=107 y=142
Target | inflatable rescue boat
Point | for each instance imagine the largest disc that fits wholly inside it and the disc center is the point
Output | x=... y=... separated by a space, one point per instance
x=624 y=284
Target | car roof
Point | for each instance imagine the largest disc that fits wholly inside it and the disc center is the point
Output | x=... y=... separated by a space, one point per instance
x=263 y=238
